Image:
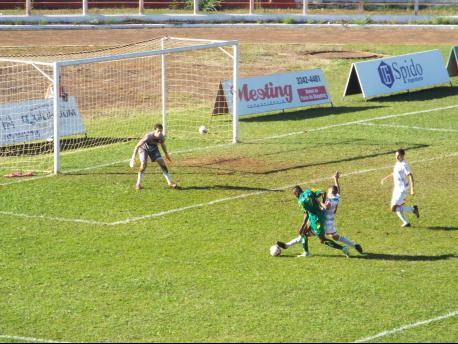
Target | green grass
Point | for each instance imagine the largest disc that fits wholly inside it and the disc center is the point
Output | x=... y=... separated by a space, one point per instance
x=204 y=274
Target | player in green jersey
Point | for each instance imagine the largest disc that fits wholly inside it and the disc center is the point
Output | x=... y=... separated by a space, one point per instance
x=314 y=220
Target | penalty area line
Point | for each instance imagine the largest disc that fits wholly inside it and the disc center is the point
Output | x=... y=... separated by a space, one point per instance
x=356 y=122
x=216 y=201
x=281 y=188
x=28 y=339
x=406 y=327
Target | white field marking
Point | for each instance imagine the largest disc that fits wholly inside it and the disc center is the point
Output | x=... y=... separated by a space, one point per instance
x=28 y=339
x=62 y=219
x=264 y=138
x=410 y=127
x=220 y=200
x=361 y=121
x=406 y=327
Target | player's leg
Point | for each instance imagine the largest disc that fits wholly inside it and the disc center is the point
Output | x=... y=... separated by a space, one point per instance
x=291 y=243
x=141 y=172
x=337 y=237
x=165 y=172
x=397 y=200
x=320 y=232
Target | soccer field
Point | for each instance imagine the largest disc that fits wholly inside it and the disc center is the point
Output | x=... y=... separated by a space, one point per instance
x=86 y=258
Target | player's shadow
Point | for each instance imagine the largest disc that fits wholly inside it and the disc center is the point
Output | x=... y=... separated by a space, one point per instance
x=308 y=113
x=403 y=257
x=270 y=170
x=420 y=95
x=442 y=228
x=227 y=187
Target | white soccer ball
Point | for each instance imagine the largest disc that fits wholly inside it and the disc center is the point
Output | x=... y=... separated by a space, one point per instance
x=275 y=251
x=203 y=130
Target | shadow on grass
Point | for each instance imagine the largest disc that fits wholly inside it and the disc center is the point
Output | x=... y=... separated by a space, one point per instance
x=442 y=228
x=420 y=95
x=307 y=113
x=227 y=187
x=270 y=170
x=66 y=144
x=411 y=258
x=380 y=256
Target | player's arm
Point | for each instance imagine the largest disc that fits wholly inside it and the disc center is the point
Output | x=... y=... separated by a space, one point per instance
x=166 y=153
x=385 y=179
x=134 y=154
x=303 y=228
x=412 y=185
x=336 y=181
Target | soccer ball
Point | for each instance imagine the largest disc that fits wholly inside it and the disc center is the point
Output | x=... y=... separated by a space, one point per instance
x=275 y=251
x=203 y=130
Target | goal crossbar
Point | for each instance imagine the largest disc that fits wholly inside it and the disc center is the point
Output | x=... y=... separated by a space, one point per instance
x=148 y=53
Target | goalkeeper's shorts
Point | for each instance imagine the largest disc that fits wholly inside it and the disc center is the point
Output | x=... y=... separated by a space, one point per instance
x=153 y=155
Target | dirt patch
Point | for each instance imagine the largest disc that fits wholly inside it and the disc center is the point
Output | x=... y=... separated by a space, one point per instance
x=332 y=35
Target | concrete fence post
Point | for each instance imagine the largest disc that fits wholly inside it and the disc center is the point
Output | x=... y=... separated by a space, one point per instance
x=85 y=7
x=305 y=7
x=141 y=7
x=28 y=7
x=361 y=6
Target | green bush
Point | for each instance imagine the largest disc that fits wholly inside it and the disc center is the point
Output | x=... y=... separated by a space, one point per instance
x=204 y=5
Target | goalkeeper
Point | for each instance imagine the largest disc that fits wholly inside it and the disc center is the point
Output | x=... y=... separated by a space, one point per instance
x=314 y=221
x=148 y=146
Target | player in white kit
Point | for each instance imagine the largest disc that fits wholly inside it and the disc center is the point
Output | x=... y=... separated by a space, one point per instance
x=330 y=207
x=401 y=176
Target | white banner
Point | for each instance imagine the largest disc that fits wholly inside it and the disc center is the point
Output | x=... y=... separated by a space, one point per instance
x=278 y=91
x=398 y=73
x=33 y=120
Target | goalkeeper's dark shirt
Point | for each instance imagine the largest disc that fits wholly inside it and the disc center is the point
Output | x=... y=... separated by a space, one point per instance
x=152 y=141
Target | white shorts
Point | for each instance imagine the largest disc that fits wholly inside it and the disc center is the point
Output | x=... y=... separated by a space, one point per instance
x=399 y=196
x=331 y=228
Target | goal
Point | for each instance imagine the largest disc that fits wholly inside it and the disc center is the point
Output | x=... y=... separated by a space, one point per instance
x=76 y=110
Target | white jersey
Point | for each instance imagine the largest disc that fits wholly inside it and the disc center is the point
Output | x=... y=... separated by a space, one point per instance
x=400 y=171
x=330 y=213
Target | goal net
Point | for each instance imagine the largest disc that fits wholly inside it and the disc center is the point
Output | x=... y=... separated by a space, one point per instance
x=107 y=99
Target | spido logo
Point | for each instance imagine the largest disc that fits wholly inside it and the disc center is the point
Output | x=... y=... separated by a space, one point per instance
x=408 y=72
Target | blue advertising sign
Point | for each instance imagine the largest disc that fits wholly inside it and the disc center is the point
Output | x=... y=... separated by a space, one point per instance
x=398 y=73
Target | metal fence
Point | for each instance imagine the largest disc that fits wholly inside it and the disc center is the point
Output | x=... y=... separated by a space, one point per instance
x=250 y=6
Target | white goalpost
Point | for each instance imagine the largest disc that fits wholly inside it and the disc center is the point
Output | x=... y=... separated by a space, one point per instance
x=74 y=110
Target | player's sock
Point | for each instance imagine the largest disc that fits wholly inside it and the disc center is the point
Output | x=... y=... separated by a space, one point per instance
x=333 y=244
x=408 y=208
x=347 y=241
x=293 y=242
x=305 y=242
x=165 y=172
x=140 y=178
x=402 y=217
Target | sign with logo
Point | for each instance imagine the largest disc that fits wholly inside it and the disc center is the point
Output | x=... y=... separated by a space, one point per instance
x=398 y=73
x=34 y=120
x=452 y=64
x=274 y=92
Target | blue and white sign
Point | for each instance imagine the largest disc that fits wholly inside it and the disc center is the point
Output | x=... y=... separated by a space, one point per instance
x=278 y=91
x=34 y=120
x=395 y=74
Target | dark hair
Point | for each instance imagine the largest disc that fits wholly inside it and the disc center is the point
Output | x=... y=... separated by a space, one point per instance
x=401 y=151
x=297 y=190
x=334 y=190
x=158 y=126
